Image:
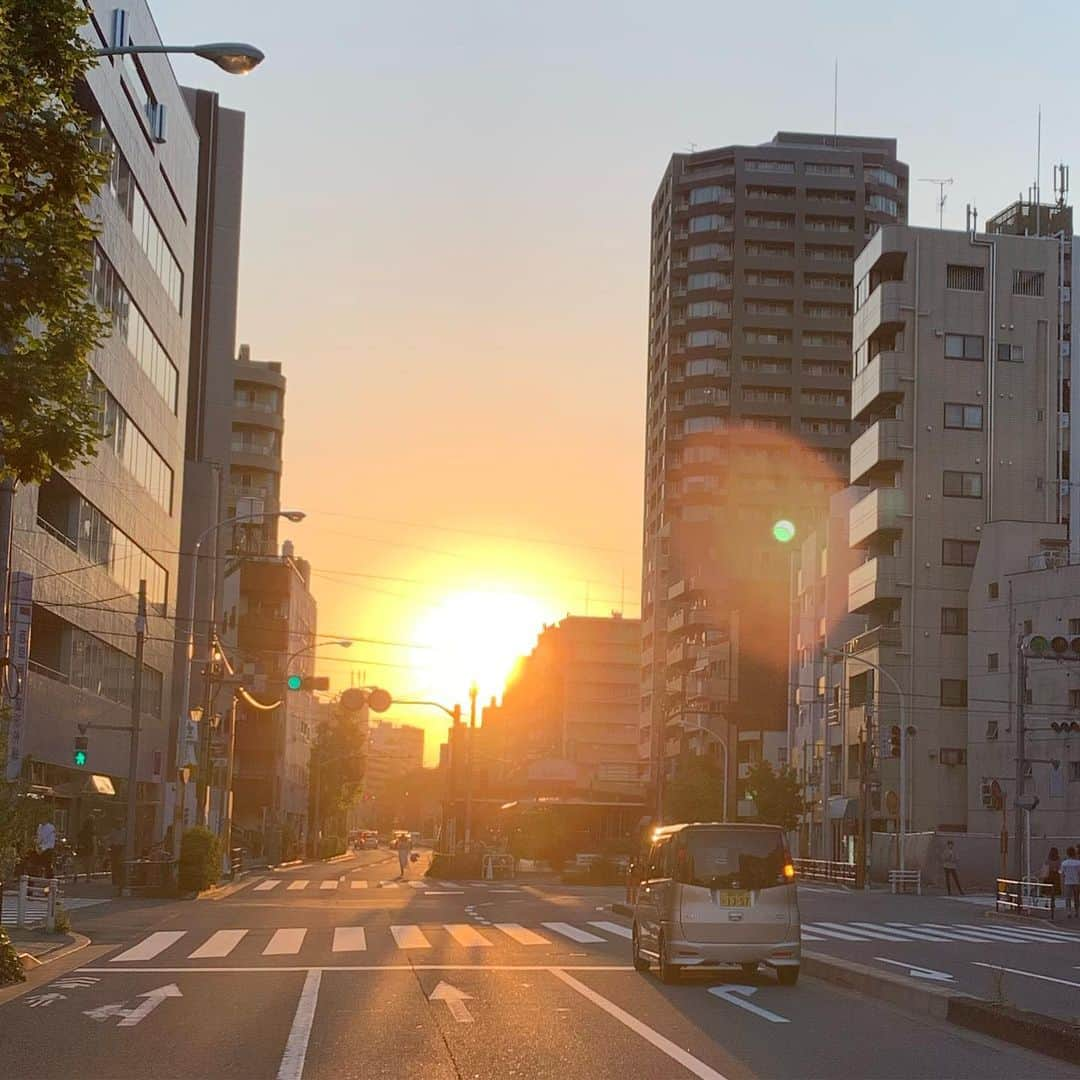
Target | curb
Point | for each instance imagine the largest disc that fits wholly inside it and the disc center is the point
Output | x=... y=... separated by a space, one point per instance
x=220 y=892
x=76 y=941
x=339 y=858
x=1033 y=1031
x=621 y=908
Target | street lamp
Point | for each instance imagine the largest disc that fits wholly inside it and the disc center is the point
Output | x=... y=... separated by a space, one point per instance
x=185 y=680
x=232 y=56
x=341 y=643
x=902 y=831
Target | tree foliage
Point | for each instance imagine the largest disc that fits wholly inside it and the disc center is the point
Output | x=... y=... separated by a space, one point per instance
x=776 y=795
x=18 y=814
x=338 y=761
x=50 y=168
x=695 y=792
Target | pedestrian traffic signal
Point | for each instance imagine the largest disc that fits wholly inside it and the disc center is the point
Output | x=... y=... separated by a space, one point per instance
x=783 y=531
x=308 y=682
x=80 y=755
x=894 y=741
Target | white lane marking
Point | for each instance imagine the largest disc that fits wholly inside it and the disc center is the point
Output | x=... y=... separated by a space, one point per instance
x=1029 y=974
x=1033 y=933
x=614 y=928
x=359 y=884
x=736 y=995
x=294 y=885
x=455 y=1001
x=572 y=932
x=409 y=937
x=265 y=886
x=220 y=943
x=445 y=892
x=416 y=884
x=520 y=934
x=808 y=936
x=349 y=939
x=819 y=928
x=328 y=884
x=666 y=1046
x=507 y=891
x=464 y=934
x=919 y=972
x=910 y=932
x=149 y=947
x=285 y=942
x=292 y=1061
x=883 y=934
x=986 y=934
x=278 y=968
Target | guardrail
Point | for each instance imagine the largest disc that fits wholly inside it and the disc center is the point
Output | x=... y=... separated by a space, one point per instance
x=39 y=889
x=836 y=873
x=902 y=880
x=1035 y=898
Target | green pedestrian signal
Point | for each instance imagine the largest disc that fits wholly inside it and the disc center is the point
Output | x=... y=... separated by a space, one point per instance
x=295 y=682
x=80 y=755
x=784 y=531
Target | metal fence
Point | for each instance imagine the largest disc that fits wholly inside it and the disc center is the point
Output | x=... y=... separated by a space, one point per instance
x=1030 y=897
x=37 y=900
x=837 y=873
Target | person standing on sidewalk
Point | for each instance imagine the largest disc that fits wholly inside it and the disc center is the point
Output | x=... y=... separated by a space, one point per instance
x=1070 y=883
x=45 y=842
x=86 y=844
x=949 y=863
x=404 y=847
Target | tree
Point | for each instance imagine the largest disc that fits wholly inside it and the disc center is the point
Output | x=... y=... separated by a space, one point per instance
x=18 y=814
x=695 y=792
x=338 y=761
x=776 y=795
x=51 y=165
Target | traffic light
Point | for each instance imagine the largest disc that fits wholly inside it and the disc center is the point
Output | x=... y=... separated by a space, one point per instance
x=1058 y=647
x=1062 y=727
x=894 y=741
x=79 y=755
x=783 y=531
x=308 y=682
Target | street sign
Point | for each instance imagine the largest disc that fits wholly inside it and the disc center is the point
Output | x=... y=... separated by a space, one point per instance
x=1026 y=802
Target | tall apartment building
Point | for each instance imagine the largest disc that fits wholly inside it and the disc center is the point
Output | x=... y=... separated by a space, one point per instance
x=394 y=751
x=748 y=416
x=960 y=351
x=84 y=538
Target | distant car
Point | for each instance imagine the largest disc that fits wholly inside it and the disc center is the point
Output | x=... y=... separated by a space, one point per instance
x=369 y=840
x=717 y=895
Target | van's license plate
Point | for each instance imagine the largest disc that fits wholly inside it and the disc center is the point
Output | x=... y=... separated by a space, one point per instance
x=734 y=898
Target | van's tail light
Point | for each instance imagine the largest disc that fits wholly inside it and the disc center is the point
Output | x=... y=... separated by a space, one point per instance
x=787 y=875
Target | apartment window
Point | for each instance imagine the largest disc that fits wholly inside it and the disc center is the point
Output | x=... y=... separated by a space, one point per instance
x=828 y=371
x=708 y=222
x=991 y=730
x=827 y=311
x=710 y=366
x=951 y=755
x=1028 y=282
x=705 y=281
x=708 y=309
x=963 y=417
x=882 y=204
x=769 y=249
x=765 y=394
x=992 y=590
x=992 y=661
x=816 y=168
x=954 y=620
x=828 y=252
x=764 y=165
x=1029 y=699
x=847 y=198
x=1074 y=626
x=770 y=221
x=710 y=194
x=963 y=346
x=964 y=278
x=699 y=252
x=697 y=424
x=875 y=174
x=959 y=552
x=760 y=336
x=829 y=224
x=1074 y=771
x=697 y=339
x=767 y=307
x=1074 y=699
x=826 y=281
x=1027 y=626
x=766 y=365
x=761 y=191
x=1012 y=353
x=954 y=693
x=772 y=278
x=826 y=339
x=962 y=485
x=812 y=425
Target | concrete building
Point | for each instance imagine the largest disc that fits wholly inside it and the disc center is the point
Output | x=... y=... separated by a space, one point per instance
x=394 y=750
x=825 y=748
x=749 y=381
x=958 y=346
x=568 y=718
x=85 y=538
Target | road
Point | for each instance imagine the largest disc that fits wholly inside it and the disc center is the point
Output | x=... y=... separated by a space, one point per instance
x=1031 y=963
x=335 y=970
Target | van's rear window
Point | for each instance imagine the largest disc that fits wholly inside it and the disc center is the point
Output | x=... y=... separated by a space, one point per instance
x=730 y=858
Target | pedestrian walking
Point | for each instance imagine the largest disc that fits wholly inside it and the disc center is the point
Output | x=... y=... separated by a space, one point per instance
x=1070 y=882
x=950 y=862
x=404 y=848
x=45 y=843
x=86 y=844
x=116 y=855
x=1051 y=873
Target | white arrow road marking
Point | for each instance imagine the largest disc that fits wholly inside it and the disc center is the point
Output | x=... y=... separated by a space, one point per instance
x=76 y=982
x=43 y=1001
x=455 y=1001
x=151 y=1000
x=918 y=972
x=737 y=995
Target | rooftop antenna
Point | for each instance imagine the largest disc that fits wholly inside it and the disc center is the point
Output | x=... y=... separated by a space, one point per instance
x=1038 y=167
x=942 y=197
x=835 y=94
x=693 y=147
x=1061 y=183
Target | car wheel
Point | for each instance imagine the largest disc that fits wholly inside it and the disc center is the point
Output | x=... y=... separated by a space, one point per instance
x=640 y=963
x=749 y=970
x=669 y=973
x=787 y=976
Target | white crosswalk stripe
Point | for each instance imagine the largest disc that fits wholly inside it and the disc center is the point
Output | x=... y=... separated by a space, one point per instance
x=879 y=935
x=937 y=932
x=328 y=884
x=417 y=884
x=962 y=933
x=464 y=934
x=614 y=928
x=521 y=935
x=150 y=946
x=218 y=944
x=903 y=932
x=285 y=942
x=295 y=886
x=266 y=886
x=360 y=884
x=349 y=939
x=572 y=932
x=840 y=935
x=409 y=937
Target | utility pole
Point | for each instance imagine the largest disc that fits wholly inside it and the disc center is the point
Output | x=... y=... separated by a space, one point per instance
x=473 y=691
x=203 y=777
x=226 y=799
x=1021 y=752
x=136 y=710
x=7 y=529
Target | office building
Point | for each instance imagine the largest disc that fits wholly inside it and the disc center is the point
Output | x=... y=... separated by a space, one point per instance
x=394 y=751
x=961 y=344
x=748 y=423
x=86 y=537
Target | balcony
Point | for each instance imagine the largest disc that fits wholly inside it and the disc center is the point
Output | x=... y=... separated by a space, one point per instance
x=882 y=308
x=875 y=638
x=873 y=583
x=682 y=655
x=879 y=382
x=879 y=446
x=882 y=511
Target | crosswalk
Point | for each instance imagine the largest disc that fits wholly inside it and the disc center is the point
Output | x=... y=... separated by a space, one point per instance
x=341 y=940
x=896 y=932
x=434 y=888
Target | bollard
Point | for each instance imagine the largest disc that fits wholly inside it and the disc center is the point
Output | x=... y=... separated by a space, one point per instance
x=50 y=911
x=20 y=903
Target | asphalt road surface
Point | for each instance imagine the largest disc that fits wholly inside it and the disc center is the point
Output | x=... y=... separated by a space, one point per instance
x=340 y=971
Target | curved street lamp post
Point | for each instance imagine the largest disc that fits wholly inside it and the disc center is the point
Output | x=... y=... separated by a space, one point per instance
x=235 y=57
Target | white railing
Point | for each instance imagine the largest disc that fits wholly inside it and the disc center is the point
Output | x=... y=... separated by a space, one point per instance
x=35 y=889
x=837 y=873
x=1024 y=897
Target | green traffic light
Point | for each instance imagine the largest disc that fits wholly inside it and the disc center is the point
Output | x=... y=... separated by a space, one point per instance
x=295 y=682
x=784 y=531
x=80 y=758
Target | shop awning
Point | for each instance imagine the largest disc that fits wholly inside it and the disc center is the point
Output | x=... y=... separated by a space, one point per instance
x=842 y=806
